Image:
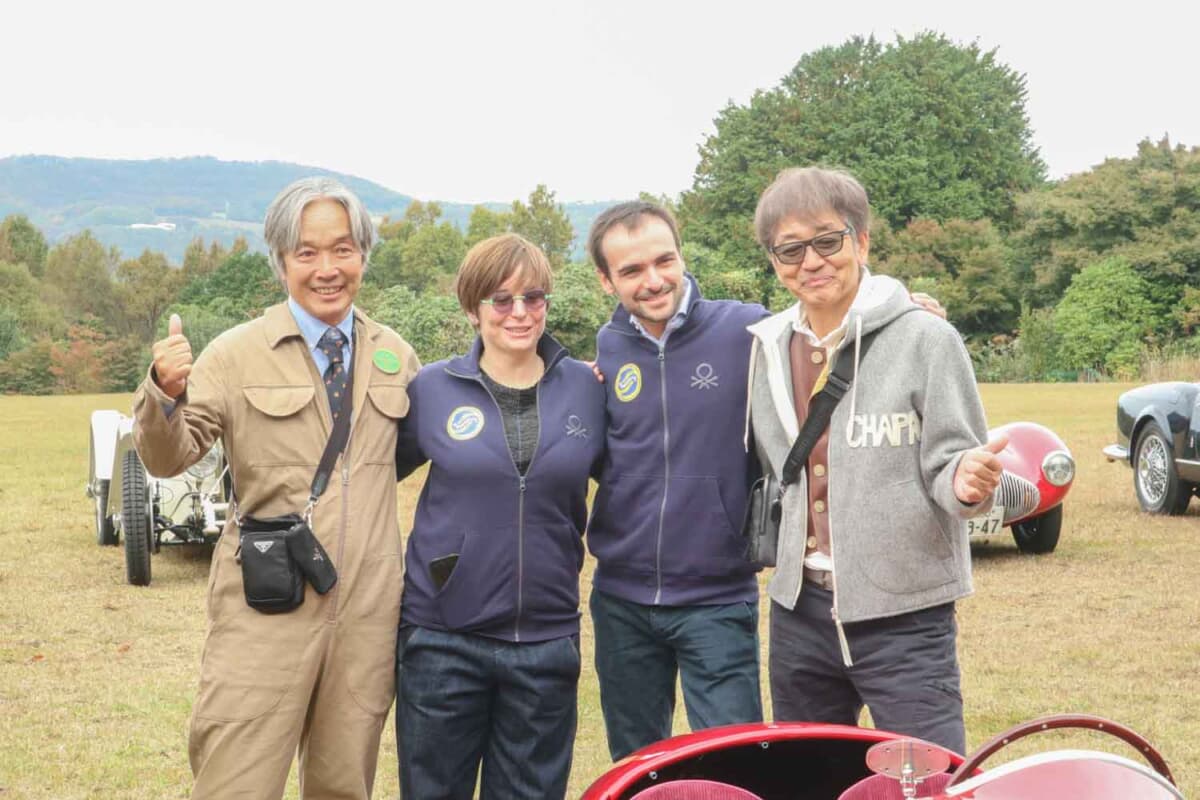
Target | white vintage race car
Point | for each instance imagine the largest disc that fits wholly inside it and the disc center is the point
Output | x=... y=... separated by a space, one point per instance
x=149 y=512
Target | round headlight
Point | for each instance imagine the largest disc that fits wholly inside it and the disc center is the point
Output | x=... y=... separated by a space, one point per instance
x=205 y=466
x=1059 y=468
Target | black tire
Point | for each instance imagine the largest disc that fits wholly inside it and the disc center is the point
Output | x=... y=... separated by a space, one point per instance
x=1155 y=479
x=106 y=531
x=135 y=519
x=1039 y=534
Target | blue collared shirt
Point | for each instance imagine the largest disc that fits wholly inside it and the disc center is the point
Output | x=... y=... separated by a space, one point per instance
x=312 y=329
x=673 y=323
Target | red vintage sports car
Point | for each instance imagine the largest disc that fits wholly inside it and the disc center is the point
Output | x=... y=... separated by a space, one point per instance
x=802 y=761
x=1038 y=473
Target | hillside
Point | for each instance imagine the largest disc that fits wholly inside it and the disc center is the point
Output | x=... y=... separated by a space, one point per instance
x=173 y=201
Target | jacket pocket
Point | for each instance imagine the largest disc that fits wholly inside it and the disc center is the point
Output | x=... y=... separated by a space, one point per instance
x=386 y=405
x=276 y=432
x=553 y=558
x=250 y=662
x=698 y=538
x=482 y=589
x=906 y=549
x=624 y=526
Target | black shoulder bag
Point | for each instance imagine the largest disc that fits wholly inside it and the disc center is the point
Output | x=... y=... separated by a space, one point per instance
x=764 y=507
x=277 y=554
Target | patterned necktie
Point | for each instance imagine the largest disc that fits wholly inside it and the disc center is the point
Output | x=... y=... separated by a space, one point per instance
x=331 y=344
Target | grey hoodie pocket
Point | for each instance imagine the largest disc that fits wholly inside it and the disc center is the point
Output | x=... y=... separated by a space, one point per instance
x=906 y=549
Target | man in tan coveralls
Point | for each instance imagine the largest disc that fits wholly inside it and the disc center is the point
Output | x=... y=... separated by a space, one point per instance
x=319 y=678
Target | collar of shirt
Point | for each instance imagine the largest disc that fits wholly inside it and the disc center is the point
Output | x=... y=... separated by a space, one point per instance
x=312 y=329
x=834 y=337
x=674 y=322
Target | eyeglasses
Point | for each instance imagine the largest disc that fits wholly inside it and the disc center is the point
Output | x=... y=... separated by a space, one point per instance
x=502 y=302
x=826 y=244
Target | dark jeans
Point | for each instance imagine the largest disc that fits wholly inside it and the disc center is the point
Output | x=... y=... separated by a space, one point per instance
x=462 y=700
x=905 y=670
x=641 y=648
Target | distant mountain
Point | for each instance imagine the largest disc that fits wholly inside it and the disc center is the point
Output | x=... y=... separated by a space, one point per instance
x=163 y=204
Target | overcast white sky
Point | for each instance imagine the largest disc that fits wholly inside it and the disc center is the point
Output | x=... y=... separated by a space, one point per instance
x=475 y=101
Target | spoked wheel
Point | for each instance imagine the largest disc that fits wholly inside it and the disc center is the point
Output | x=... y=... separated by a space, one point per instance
x=135 y=519
x=1155 y=479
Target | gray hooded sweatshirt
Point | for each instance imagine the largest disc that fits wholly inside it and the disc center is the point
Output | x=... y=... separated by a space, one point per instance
x=897 y=534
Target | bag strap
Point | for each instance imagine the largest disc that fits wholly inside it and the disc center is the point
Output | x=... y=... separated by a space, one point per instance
x=820 y=411
x=336 y=444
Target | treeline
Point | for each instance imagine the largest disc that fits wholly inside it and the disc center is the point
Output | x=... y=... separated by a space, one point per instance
x=78 y=318
x=1095 y=274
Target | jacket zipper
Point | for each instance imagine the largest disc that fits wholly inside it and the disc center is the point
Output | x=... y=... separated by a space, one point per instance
x=520 y=496
x=333 y=603
x=662 y=510
x=843 y=642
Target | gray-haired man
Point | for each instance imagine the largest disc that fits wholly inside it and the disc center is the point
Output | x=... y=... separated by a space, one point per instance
x=318 y=679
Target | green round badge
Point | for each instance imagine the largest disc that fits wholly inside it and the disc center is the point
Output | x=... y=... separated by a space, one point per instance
x=387 y=361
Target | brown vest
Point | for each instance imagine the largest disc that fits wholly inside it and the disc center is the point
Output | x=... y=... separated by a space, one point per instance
x=809 y=367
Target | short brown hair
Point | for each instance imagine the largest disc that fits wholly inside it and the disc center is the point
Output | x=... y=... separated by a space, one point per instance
x=630 y=215
x=807 y=191
x=493 y=261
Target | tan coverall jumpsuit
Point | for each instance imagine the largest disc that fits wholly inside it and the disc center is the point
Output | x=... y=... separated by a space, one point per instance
x=319 y=678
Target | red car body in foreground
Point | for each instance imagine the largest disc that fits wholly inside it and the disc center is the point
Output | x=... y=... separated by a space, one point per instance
x=802 y=761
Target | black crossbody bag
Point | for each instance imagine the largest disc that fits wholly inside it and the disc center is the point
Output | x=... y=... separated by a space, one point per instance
x=278 y=554
x=764 y=507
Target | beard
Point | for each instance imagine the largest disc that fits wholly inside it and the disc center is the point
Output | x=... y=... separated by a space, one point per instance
x=641 y=299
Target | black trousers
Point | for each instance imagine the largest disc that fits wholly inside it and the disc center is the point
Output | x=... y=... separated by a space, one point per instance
x=905 y=670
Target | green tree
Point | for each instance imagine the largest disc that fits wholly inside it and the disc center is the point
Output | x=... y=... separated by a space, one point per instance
x=485 y=223
x=543 y=222
x=720 y=280
x=578 y=309
x=931 y=128
x=1104 y=317
x=146 y=285
x=1145 y=210
x=12 y=335
x=964 y=265
x=22 y=243
x=239 y=289
x=22 y=295
x=201 y=324
x=81 y=269
x=430 y=256
x=27 y=371
x=432 y=323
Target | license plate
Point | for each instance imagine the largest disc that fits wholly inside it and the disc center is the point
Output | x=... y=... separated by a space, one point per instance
x=986 y=524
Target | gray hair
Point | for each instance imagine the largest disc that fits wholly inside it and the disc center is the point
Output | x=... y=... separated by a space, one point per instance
x=281 y=230
x=805 y=192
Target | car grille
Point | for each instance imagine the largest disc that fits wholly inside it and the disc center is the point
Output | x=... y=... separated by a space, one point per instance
x=1018 y=496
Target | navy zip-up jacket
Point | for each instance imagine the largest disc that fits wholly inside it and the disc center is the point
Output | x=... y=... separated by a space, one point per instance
x=518 y=538
x=666 y=525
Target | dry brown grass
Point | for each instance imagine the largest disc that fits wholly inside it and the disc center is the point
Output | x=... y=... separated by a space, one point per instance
x=1171 y=368
x=97 y=677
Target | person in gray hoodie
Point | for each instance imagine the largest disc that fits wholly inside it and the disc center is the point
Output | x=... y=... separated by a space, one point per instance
x=872 y=551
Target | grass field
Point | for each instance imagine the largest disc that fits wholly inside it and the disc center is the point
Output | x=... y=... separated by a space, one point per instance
x=97 y=677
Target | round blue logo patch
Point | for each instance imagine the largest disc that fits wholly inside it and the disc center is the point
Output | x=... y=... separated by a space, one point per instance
x=464 y=422
x=629 y=383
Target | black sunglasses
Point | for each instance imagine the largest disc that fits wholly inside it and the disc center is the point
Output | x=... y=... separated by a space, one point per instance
x=502 y=302
x=826 y=244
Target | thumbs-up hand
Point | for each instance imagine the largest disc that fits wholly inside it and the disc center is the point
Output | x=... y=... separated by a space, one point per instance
x=979 y=471
x=172 y=359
